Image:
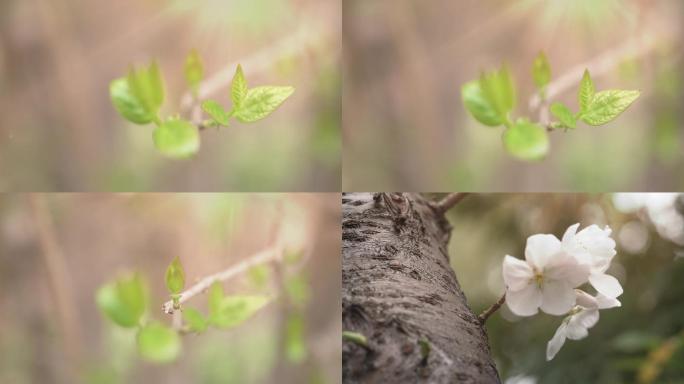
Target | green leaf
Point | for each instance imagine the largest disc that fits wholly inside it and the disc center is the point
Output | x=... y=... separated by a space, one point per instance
x=147 y=85
x=216 y=111
x=499 y=90
x=526 y=140
x=563 y=114
x=295 y=344
x=175 y=277
x=194 y=71
x=478 y=106
x=298 y=289
x=355 y=337
x=194 y=319
x=215 y=299
x=177 y=138
x=238 y=89
x=541 y=71
x=234 y=310
x=127 y=104
x=260 y=102
x=586 y=91
x=258 y=275
x=158 y=343
x=607 y=105
x=124 y=300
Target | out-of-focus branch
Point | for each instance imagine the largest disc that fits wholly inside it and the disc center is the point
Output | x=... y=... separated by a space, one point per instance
x=448 y=202
x=265 y=256
x=58 y=277
x=598 y=66
x=300 y=40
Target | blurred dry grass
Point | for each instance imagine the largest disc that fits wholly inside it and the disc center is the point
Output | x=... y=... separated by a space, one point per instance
x=405 y=127
x=59 y=132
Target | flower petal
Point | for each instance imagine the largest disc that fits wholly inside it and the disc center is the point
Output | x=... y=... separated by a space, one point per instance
x=586 y=319
x=565 y=267
x=569 y=235
x=540 y=249
x=575 y=329
x=554 y=345
x=524 y=302
x=586 y=300
x=607 y=285
x=516 y=273
x=605 y=302
x=557 y=297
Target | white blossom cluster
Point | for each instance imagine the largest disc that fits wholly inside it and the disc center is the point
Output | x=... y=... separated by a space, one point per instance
x=549 y=278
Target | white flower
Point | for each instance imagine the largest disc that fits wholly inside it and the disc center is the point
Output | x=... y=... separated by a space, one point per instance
x=544 y=280
x=594 y=247
x=584 y=316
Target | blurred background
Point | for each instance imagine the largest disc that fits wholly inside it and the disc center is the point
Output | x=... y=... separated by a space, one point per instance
x=59 y=131
x=57 y=250
x=405 y=127
x=640 y=342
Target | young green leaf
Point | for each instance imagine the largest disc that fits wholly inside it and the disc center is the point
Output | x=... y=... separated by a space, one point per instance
x=607 y=105
x=478 y=106
x=526 y=140
x=146 y=85
x=216 y=111
x=175 y=277
x=238 y=89
x=499 y=90
x=259 y=102
x=177 y=138
x=298 y=289
x=124 y=300
x=215 y=299
x=194 y=71
x=196 y=322
x=541 y=71
x=563 y=114
x=234 y=310
x=295 y=344
x=586 y=91
x=127 y=104
x=259 y=275
x=158 y=343
x=355 y=337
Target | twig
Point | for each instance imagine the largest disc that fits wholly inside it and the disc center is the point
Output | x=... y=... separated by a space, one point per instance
x=265 y=256
x=58 y=276
x=448 y=202
x=300 y=40
x=598 y=67
x=493 y=308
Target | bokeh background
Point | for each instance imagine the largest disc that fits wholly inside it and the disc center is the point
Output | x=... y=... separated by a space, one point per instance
x=405 y=127
x=56 y=250
x=640 y=342
x=59 y=131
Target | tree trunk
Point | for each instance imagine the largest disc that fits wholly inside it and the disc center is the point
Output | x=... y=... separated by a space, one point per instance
x=400 y=292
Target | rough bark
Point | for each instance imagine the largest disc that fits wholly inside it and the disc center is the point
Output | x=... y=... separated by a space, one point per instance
x=398 y=288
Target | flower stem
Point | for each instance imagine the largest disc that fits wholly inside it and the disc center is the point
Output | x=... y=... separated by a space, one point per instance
x=493 y=308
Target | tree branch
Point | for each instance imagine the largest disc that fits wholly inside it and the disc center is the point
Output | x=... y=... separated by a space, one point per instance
x=493 y=308
x=599 y=66
x=265 y=256
x=448 y=202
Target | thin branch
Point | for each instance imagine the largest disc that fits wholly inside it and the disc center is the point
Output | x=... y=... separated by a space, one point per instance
x=301 y=40
x=448 y=202
x=58 y=277
x=265 y=256
x=493 y=308
x=599 y=66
